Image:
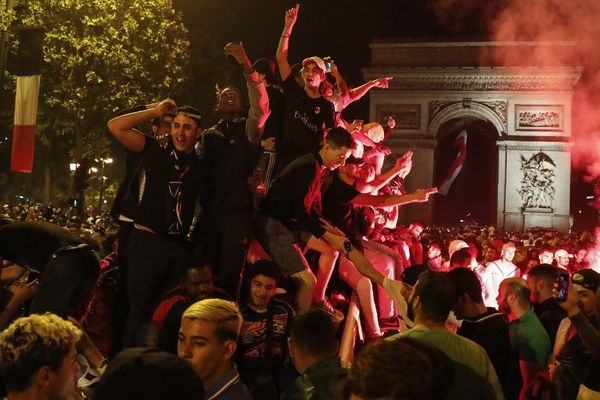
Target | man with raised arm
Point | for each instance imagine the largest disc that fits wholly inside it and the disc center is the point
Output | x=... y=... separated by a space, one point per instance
x=170 y=188
x=307 y=114
x=231 y=149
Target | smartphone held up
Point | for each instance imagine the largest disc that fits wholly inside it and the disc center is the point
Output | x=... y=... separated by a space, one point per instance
x=563 y=287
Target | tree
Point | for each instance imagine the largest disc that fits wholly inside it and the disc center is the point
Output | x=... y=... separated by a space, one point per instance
x=100 y=56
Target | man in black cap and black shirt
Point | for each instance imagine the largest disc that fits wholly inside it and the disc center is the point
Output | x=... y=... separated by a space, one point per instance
x=168 y=205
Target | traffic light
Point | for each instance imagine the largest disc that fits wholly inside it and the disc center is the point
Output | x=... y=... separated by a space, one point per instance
x=80 y=179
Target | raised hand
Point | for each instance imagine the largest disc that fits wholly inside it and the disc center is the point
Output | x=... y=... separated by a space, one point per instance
x=383 y=82
x=167 y=106
x=236 y=50
x=422 y=195
x=383 y=149
x=291 y=16
x=391 y=122
x=404 y=163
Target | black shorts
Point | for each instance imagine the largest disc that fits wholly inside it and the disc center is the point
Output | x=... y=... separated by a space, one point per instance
x=285 y=246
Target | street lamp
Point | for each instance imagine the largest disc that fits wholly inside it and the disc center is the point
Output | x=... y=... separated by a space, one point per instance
x=103 y=162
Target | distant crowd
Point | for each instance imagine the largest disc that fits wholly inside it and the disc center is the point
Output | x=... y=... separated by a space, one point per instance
x=262 y=257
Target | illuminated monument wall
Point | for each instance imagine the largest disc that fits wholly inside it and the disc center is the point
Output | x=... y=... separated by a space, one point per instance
x=528 y=106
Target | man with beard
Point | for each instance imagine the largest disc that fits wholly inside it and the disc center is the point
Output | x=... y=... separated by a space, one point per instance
x=498 y=270
x=563 y=259
x=486 y=327
x=429 y=305
x=528 y=337
x=540 y=280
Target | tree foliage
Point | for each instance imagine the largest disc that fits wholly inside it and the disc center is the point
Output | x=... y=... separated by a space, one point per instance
x=101 y=56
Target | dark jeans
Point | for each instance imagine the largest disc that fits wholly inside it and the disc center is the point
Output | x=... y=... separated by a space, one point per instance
x=121 y=305
x=224 y=240
x=152 y=270
x=66 y=282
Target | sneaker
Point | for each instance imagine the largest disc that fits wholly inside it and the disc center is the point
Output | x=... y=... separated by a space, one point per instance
x=336 y=315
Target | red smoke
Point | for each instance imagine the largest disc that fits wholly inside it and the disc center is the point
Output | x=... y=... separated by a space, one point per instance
x=546 y=20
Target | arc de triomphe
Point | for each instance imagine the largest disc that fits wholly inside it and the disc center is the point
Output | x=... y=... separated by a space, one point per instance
x=500 y=94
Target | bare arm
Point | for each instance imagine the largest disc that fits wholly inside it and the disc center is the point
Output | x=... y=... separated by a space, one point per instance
x=342 y=88
x=123 y=126
x=11 y=273
x=358 y=92
x=21 y=292
x=380 y=181
x=418 y=196
x=282 y=50
x=588 y=333
x=364 y=266
x=338 y=241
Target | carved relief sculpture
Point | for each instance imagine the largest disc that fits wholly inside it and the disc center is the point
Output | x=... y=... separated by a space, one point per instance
x=537 y=184
x=539 y=117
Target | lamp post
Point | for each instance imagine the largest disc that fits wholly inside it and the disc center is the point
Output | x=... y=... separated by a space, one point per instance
x=103 y=162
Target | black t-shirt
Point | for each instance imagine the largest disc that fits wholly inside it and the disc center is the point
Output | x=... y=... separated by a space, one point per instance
x=338 y=208
x=230 y=160
x=173 y=181
x=305 y=121
x=255 y=339
x=490 y=331
x=295 y=195
x=550 y=315
x=33 y=243
x=127 y=196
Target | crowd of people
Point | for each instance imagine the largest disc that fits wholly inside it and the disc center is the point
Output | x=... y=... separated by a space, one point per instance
x=225 y=267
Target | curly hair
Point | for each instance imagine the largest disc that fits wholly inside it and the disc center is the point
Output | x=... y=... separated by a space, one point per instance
x=31 y=343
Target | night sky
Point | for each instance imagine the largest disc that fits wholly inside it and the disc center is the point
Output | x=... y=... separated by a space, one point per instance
x=343 y=30
x=340 y=29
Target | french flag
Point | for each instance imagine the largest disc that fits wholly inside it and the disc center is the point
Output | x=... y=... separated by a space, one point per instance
x=23 y=141
x=461 y=143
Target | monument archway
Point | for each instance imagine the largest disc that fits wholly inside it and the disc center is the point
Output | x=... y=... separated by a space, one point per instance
x=519 y=112
x=472 y=196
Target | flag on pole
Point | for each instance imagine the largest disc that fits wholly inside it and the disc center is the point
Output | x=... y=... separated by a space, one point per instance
x=23 y=141
x=461 y=143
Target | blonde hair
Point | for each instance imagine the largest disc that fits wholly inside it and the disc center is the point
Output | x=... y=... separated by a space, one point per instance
x=374 y=131
x=225 y=314
x=31 y=343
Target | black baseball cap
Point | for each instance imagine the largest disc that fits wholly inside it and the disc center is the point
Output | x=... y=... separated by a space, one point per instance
x=588 y=278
